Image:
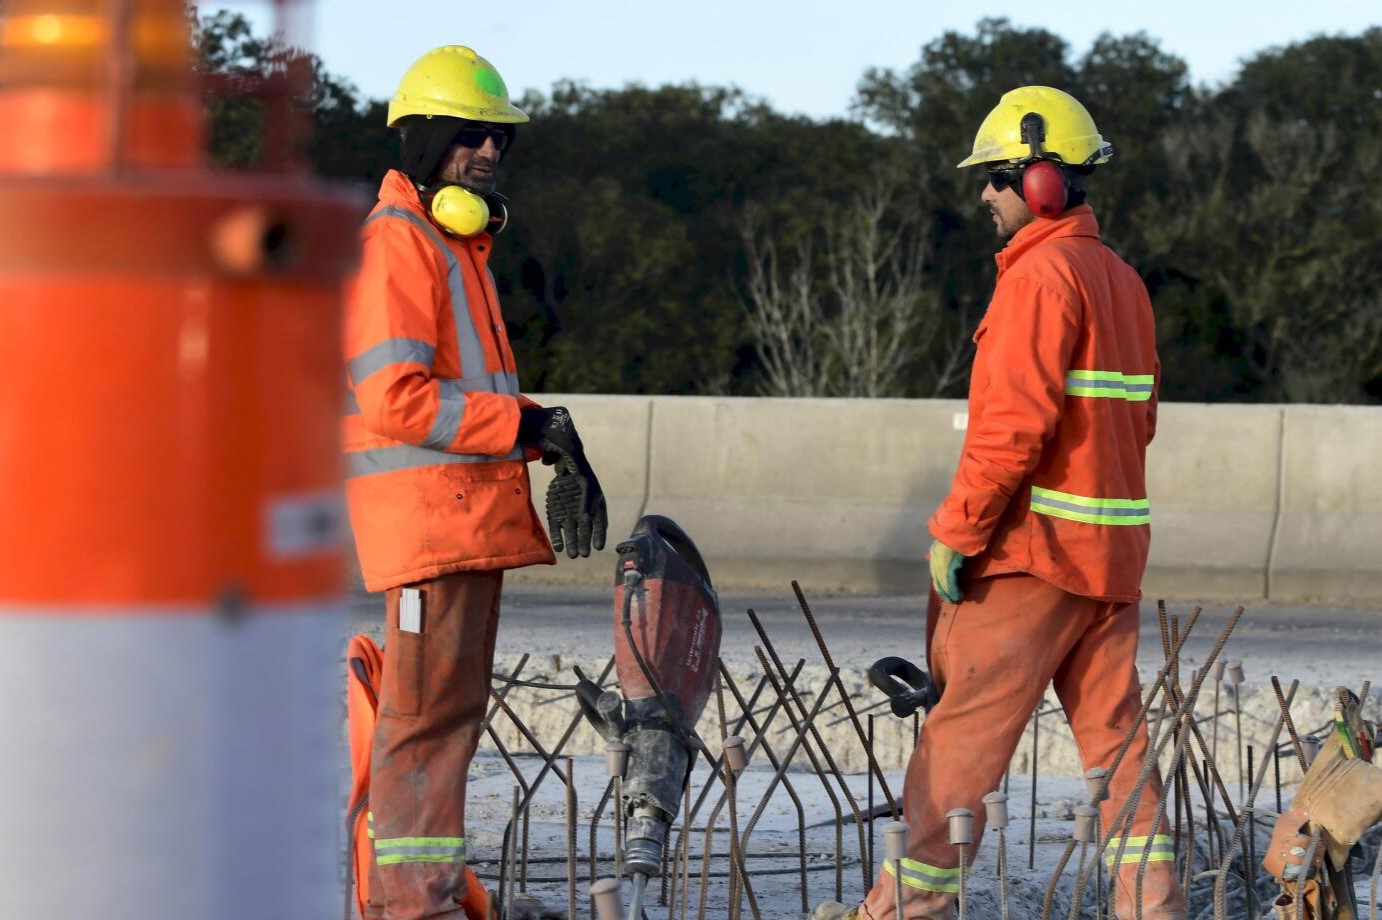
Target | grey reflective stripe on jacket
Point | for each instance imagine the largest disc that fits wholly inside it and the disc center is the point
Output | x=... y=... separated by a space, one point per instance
x=468 y=349
x=504 y=382
x=390 y=351
x=409 y=457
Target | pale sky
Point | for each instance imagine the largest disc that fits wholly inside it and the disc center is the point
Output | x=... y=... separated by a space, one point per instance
x=802 y=56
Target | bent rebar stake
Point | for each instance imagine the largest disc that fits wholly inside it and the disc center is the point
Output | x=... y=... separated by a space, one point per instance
x=760 y=740
x=832 y=676
x=1245 y=817
x=996 y=811
x=1130 y=806
x=874 y=769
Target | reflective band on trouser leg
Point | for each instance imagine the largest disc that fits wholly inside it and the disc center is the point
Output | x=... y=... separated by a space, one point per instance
x=1162 y=849
x=1088 y=510
x=1109 y=385
x=397 y=850
x=926 y=878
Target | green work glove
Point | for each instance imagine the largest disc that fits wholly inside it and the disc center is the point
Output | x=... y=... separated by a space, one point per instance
x=945 y=571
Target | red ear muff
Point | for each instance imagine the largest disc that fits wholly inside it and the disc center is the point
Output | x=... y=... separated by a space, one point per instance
x=1044 y=189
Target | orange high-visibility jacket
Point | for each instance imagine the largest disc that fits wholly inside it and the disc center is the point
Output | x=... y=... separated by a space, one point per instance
x=1062 y=406
x=434 y=479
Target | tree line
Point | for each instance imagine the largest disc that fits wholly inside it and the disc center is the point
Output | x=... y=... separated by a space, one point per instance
x=691 y=240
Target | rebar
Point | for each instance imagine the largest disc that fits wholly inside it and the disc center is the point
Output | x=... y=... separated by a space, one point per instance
x=710 y=823
x=594 y=829
x=1245 y=815
x=792 y=695
x=895 y=848
x=1031 y=826
x=1305 y=864
x=570 y=837
x=832 y=676
x=868 y=857
x=964 y=855
x=802 y=731
x=1276 y=775
x=731 y=790
x=1129 y=807
x=797 y=743
x=1249 y=860
x=1003 y=871
x=1290 y=725
x=1372 y=888
x=874 y=769
x=685 y=857
x=1049 y=900
x=760 y=739
x=503 y=692
x=511 y=846
x=1159 y=814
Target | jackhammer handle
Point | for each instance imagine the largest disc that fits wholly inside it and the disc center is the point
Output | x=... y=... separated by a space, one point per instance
x=907 y=686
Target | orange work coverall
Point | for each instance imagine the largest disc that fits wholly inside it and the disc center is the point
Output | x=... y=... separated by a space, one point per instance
x=1049 y=502
x=439 y=502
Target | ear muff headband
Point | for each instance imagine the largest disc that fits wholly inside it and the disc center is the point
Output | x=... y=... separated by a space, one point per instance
x=1044 y=186
x=461 y=212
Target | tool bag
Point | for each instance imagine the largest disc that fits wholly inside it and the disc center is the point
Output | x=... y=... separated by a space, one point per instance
x=364 y=667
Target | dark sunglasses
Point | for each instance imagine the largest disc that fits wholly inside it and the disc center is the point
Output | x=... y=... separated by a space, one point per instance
x=1007 y=177
x=475 y=136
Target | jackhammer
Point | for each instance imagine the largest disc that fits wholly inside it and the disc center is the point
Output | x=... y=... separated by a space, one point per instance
x=666 y=642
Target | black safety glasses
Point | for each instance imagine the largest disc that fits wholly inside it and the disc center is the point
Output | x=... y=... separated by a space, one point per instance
x=1008 y=177
x=474 y=136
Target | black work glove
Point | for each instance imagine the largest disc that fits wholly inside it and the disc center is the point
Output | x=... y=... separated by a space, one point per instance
x=576 y=514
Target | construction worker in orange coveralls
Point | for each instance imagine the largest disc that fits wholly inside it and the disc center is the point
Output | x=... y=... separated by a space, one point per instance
x=1040 y=546
x=437 y=440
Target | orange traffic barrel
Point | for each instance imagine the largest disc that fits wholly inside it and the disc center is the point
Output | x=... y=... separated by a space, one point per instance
x=170 y=515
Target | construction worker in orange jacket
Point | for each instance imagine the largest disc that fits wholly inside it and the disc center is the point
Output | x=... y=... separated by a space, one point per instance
x=1041 y=543
x=437 y=438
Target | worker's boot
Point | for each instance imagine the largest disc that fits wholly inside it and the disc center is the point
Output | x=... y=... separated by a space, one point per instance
x=833 y=910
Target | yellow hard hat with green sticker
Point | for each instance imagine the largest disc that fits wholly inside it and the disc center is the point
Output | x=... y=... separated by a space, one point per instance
x=1039 y=122
x=453 y=80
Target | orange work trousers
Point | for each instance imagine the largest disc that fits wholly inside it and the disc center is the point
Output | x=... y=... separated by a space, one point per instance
x=993 y=655
x=434 y=693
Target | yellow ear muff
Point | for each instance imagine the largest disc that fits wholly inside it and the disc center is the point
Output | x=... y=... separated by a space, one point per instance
x=459 y=211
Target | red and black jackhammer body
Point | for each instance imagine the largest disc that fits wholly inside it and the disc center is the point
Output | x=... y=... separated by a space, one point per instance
x=666 y=644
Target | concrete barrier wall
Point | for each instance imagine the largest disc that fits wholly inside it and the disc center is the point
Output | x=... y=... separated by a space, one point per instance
x=1248 y=502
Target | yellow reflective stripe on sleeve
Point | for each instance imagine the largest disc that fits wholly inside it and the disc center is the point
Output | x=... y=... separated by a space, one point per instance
x=1088 y=510
x=1161 y=849
x=394 y=850
x=1109 y=385
x=926 y=878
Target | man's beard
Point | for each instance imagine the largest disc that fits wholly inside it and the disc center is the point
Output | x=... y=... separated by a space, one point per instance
x=481 y=183
x=1008 y=229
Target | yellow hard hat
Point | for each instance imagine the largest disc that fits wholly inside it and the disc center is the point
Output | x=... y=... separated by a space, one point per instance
x=453 y=80
x=1034 y=122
